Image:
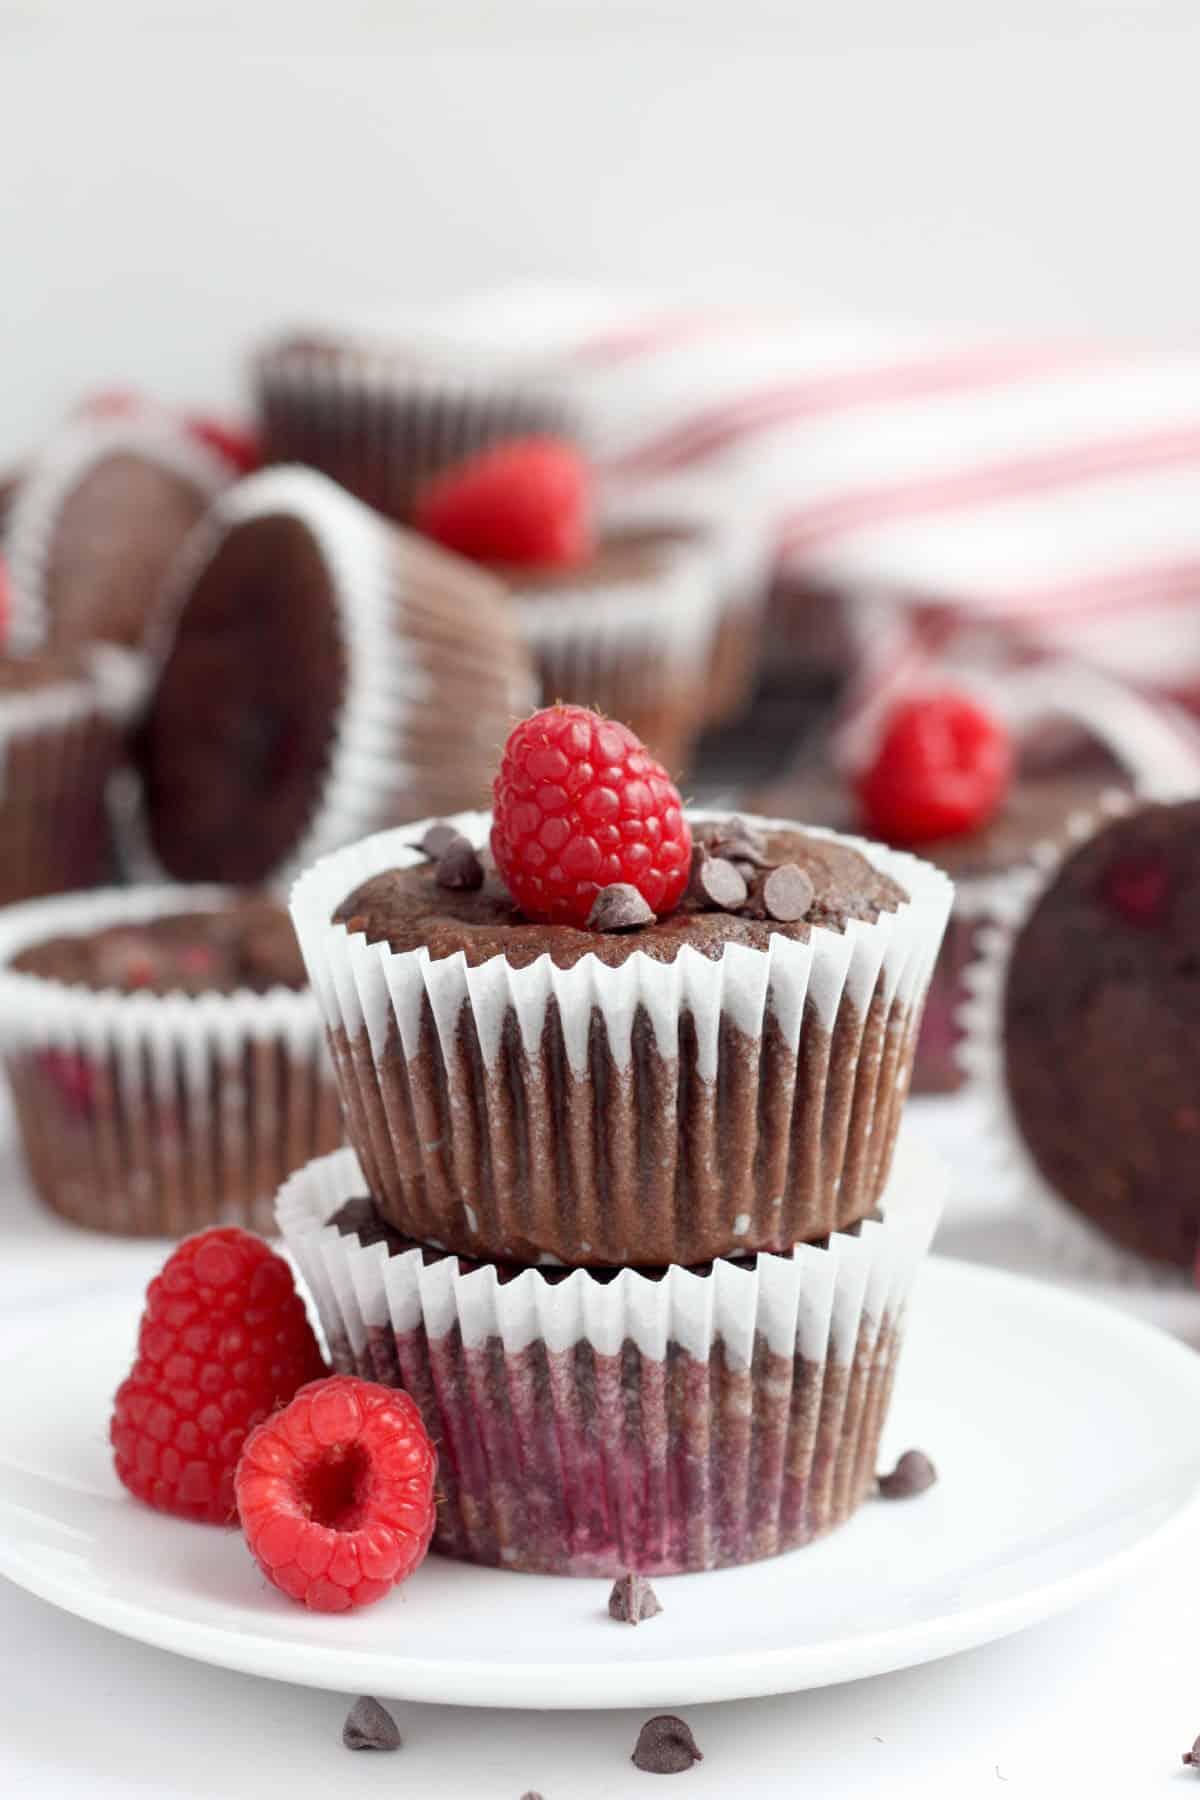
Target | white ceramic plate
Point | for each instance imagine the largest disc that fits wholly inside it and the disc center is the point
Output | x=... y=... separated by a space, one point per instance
x=1057 y=1425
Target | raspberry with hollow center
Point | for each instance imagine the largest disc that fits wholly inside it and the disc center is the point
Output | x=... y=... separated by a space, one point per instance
x=335 y=1493
x=580 y=804
x=942 y=769
x=224 y=1340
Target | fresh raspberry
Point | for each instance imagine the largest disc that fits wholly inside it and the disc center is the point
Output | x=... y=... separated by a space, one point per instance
x=580 y=804
x=942 y=769
x=335 y=1493
x=527 y=503
x=236 y=443
x=224 y=1340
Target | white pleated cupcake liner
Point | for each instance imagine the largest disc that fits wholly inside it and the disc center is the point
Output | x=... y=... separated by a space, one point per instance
x=54 y=474
x=639 y=650
x=1074 y=1247
x=434 y=670
x=384 y=422
x=581 y=1114
x=158 y=1114
x=59 y=748
x=589 y=1426
x=741 y=541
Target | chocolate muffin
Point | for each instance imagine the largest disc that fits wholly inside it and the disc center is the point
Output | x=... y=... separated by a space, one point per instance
x=166 y=1058
x=726 y=1078
x=63 y=722
x=95 y=524
x=630 y=632
x=323 y=675
x=382 y=418
x=981 y=863
x=742 y=546
x=589 y=1422
x=1101 y=1018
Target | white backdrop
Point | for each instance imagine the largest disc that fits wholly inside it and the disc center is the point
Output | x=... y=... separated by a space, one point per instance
x=177 y=176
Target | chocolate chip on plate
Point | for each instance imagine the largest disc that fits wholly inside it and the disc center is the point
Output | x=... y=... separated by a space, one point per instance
x=787 y=893
x=666 y=1746
x=619 y=907
x=1191 y=1758
x=370 y=1726
x=437 y=839
x=632 y=1600
x=459 y=867
x=913 y=1474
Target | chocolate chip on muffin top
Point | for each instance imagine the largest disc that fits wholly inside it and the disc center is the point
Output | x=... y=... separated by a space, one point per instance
x=747 y=886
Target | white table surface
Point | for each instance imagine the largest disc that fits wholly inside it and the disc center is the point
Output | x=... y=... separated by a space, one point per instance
x=1100 y=1702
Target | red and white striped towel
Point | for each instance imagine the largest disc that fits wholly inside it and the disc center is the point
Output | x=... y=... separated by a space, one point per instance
x=1030 y=497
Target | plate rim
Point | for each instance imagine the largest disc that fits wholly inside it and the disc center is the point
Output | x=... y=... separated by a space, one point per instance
x=734 y=1675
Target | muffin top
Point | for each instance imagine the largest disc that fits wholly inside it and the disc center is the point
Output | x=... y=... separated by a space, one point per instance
x=235 y=748
x=1101 y=1021
x=783 y=884
x=247 y=944
x=1036 y=809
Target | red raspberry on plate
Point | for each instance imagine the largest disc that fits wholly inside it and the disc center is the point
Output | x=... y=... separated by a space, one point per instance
x=527 y=503
x=224 y=1340
x=335 y=1493
x=942 y=769
x=580 y=804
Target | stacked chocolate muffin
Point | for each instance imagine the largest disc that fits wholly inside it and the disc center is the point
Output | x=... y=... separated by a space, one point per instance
x=619 y=1210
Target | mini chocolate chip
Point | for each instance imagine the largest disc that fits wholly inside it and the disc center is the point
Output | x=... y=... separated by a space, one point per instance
x=619 y=907
x=438 y=839
x=911 y=1475
x=1191 y=1758
x=787 y=893
x=459 y=866
x=666 y=1746
x=716 y=883
x=370 y=1726
x=738 y=843
x=530 y=1795
x=632 y=1600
